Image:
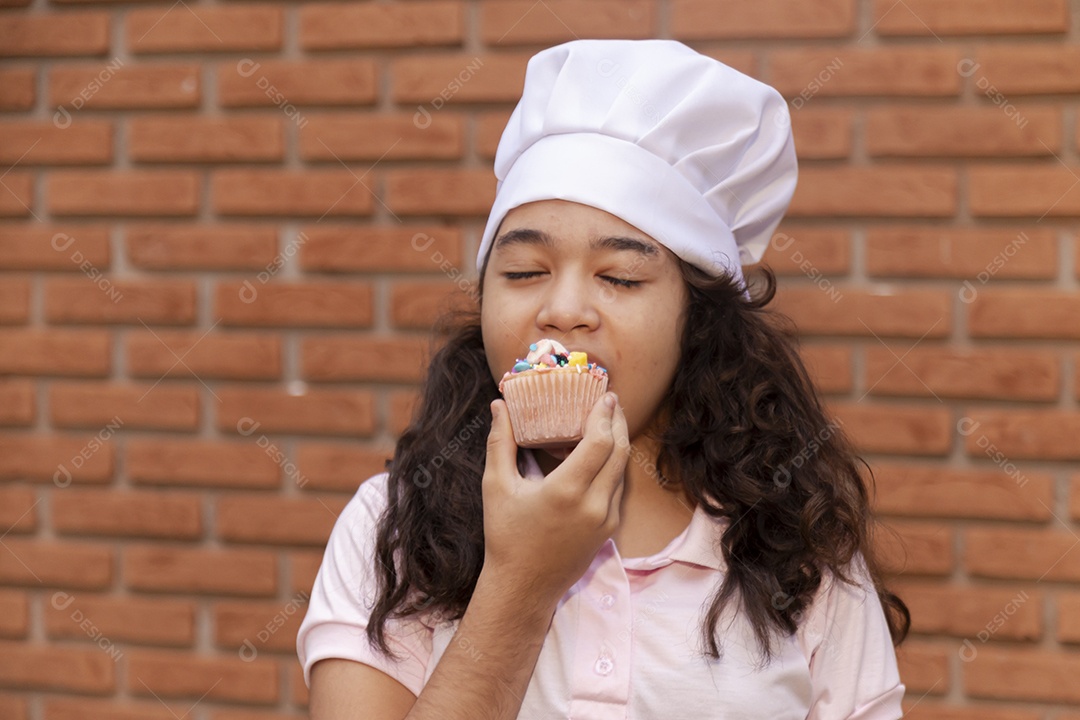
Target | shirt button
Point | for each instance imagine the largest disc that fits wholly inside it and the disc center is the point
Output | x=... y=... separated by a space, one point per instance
x=604 y=665
x=607 y=600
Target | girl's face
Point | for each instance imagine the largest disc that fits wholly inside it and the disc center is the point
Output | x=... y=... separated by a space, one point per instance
x=595 y=283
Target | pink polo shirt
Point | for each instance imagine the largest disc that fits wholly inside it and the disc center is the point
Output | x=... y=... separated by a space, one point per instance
x=625 y=639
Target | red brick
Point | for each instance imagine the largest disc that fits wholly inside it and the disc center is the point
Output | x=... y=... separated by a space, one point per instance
x=18 y=509
x=225 y=246
x=970 y=17
x=807 y=251
x=330 y=412
x=890 y=71
x=160 y=568
x=364 y=358
x=100 y=300
x=1035 y=554
x=439 y=192
x=18 y=401
x=1022 y=434
x=55 y=352
x=403 y=404
x=899 y=313
x=829 y=367
x=401 y=136
x=902 y=429
x=1024 y=190
x=1002 y=373
x=204 y=29
x=18 y=194
x=882 y=190
x=822 y=133
x=962 y=131
x=1047 y=676
x=128 y=514
x=232 y=356
x=435 y=80
x=53 y=247
x=143 y=405
x=177 y=674
x=918 y=708
x=933 y=491
x=341 y=467
x=16 y=707
x=961 y=253
x=281 y=83
x=121 y=619
x=250 y=628
x=114 y=86
x=522 y=22
x=917 y=548
x=57 y=708
x=46 y=563
x=412 y=248
x=702 y=19
x=69 y=33
x=417 y=305
x=1068 y=617
x=201 y=463
x=14 y=617
x=744 y=60
x=924 y=667
x=1074 y=497
x=333 y=26
x=54 y=458
x=299 y=691
x=303 y=567
x=1028 y=69
x=15 y=300
x=33 y=667
x=107 y=192
x=30 y=142
x=965 y=611
x=1007 y=313
x=17 y=88
x=285 y=192
x=488 y=128
x=281 y=304
x=184 y=138
x=277 y=520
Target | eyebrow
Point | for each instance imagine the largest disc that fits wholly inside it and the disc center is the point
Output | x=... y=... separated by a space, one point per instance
x=530 y=236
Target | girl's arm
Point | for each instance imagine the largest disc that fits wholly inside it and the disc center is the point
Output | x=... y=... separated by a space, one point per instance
x=540 y=537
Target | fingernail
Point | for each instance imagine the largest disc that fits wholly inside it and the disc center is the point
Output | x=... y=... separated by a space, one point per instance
x=494 y=410
x=610 y=399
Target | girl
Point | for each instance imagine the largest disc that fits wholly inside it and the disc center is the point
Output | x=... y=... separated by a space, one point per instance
x=705 y=550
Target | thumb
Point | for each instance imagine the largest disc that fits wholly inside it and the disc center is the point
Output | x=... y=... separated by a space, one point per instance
x=501 y=447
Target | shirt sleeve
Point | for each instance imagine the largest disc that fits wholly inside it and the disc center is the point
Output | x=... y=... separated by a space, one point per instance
x=344 y=593
x=853 y=666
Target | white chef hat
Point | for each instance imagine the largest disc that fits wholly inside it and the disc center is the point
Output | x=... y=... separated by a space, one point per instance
x=688 y=150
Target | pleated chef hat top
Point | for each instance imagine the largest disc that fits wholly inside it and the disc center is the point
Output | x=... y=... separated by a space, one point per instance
x=688 y=150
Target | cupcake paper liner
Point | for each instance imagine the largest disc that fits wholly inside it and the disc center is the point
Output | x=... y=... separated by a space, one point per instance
x=549 y=409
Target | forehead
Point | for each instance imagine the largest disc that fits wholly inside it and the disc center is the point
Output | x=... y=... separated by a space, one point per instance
x=555 y=222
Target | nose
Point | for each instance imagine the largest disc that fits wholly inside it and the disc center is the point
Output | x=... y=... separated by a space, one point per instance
x=568 y=304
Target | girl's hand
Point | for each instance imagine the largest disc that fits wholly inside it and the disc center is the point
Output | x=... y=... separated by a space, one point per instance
x=544 y=535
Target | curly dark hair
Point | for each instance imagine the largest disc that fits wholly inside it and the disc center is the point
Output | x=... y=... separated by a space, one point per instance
x=745 y=435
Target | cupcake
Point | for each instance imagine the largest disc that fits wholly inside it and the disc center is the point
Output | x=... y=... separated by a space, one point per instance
x=549 y=394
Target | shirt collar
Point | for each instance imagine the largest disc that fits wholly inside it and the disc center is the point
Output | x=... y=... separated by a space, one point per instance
x=697 y=544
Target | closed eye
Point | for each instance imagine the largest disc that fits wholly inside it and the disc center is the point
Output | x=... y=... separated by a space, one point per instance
x=521 y=275
x=619 y=282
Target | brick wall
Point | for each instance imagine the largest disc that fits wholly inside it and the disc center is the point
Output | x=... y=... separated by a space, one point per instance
x=226 y=228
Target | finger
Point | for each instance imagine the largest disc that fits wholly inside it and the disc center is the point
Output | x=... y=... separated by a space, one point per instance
x=585 y=461
x=609 y=479
x=501 y=463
